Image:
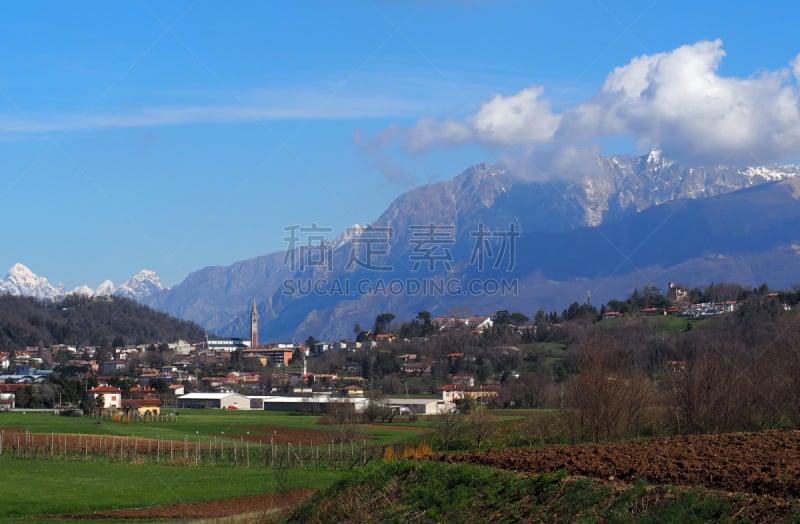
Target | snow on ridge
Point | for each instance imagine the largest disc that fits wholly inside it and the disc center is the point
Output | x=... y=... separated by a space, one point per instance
x=21 y=281
x=82 y=290
x=142 y=284
x=770 y=173
x=105 y=289
x=352 y=232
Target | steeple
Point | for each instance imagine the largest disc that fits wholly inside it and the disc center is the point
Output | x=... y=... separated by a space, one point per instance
x=254 y=325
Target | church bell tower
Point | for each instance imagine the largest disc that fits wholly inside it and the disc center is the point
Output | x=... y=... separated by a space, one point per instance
x=254 y=326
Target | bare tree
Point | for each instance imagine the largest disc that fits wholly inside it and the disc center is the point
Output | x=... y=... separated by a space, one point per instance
x=608 y=397
x=481 y=425
x=450 y=426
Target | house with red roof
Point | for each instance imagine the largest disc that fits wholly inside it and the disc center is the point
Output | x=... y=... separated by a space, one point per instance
x=112 y=397
x=453 y=392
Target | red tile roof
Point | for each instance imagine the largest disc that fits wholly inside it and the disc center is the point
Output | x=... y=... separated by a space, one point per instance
x=105 y=389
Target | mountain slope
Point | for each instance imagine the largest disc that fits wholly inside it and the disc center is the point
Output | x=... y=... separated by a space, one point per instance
x=609 y=232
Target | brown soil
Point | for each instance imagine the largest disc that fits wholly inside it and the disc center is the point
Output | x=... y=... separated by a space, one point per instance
x=759 y=473
x=210 y=509
x=766 y=463
x=283 y=435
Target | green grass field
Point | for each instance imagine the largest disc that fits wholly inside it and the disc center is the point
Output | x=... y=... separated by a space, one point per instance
x=74 y=486
x=40 y=487
x=659 y=324
x=188 y=424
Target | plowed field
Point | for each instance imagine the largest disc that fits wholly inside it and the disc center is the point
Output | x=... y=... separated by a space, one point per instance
x=766 y=463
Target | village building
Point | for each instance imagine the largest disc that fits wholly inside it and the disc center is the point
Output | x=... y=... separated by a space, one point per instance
x=214 y=401
x=111 y=397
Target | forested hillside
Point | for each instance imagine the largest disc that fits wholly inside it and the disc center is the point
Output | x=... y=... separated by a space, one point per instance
x=78 y=320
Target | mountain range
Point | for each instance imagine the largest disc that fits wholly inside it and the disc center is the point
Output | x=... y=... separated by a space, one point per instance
x=632 y=221
x=21 y=281
x=522 y=242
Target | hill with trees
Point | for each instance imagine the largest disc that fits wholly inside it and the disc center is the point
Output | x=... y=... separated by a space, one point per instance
x=642 y=372
x=82 y=321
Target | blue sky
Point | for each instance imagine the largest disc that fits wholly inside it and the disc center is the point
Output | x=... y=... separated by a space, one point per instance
x=177 y=135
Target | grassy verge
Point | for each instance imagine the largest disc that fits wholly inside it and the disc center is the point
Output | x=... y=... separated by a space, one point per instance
x=40 y=487
x=433 y=492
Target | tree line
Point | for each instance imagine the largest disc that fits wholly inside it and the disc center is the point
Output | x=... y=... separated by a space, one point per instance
x=84 y=321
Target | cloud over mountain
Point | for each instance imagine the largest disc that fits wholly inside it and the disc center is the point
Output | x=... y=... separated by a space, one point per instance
x=676 y=101
x=519 y=119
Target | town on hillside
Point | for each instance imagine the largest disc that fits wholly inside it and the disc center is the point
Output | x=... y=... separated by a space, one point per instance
x=426 y=365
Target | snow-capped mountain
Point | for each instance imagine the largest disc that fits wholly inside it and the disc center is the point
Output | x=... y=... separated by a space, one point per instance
x=145 y=283
x=82 y=290
x=105 y=289
x=21 y=281
x=351 y=233
x=682 y=222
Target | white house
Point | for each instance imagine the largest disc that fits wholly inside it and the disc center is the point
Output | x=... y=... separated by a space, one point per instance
x=7 y=401
x=177 y=389
x=112 y=397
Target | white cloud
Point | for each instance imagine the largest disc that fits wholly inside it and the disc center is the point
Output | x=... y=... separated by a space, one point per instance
x=676 y=101
x=518 y=119
x=796 y=68
x=566 y=162
x=248 y=107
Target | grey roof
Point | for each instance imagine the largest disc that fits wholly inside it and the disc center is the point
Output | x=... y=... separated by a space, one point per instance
x=209 y=396
x=413 y=401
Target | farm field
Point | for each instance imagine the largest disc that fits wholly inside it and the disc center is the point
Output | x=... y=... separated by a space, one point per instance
x=224 y=467
x=766 y=463
x=92 y=488
x=737 y=477
x=195 y=463
x=187 y=424
x=764 y=466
